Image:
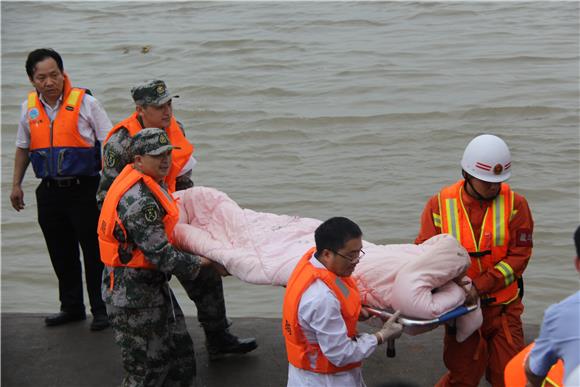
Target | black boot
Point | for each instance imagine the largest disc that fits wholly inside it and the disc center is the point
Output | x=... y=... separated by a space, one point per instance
x=222 y=343
x=100 y=321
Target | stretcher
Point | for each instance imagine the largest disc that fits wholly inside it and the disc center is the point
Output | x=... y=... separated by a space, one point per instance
x=413 y=326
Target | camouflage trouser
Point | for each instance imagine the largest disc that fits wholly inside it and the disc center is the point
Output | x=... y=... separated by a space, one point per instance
x=207 y=292
x=156 y=347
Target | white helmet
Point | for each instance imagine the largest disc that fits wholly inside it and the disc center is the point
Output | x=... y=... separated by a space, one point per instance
x=487 y=158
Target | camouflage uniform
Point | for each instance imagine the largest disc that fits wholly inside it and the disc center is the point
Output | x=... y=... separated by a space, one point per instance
x=116 y=156
x=206 y=290
x=147 y=321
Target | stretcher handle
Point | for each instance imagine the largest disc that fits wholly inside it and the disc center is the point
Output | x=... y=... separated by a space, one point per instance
x=391 y=348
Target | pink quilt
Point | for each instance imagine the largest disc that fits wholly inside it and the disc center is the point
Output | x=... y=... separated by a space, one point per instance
x=263 y=248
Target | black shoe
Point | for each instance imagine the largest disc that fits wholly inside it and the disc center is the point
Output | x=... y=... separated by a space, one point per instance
x=220 y=344
x=64 y=318
x=100 y=322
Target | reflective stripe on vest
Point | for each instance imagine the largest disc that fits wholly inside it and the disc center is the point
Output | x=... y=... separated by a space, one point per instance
x=487 y=253
x=56 y=148
x=109 y=245
x=299 y=350
x=179 y=157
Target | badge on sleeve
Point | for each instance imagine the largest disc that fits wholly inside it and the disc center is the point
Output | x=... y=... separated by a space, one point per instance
x=151 y=213
x=524 y=237
x=110 y=158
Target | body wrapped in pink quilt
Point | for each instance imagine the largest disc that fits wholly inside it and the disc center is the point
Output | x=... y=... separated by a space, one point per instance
x=263 y=248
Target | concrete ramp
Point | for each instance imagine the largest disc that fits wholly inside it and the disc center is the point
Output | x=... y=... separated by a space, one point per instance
x=73 y=356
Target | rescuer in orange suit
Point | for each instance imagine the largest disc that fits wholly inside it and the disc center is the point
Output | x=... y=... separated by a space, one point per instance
x=495 y=225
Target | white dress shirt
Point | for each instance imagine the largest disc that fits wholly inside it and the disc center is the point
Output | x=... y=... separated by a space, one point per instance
x=322 y=323
x=93 y=121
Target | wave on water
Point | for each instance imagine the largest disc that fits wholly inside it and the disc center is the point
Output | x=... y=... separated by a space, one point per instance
x=260 y=134
x=253 y=43
x=346 y=23
x=206 y=114
x=348 y=120
x=527 y=59
x=527 y=111
x=443 y=14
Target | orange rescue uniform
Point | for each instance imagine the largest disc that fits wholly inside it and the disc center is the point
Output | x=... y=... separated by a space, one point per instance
x=501 y=335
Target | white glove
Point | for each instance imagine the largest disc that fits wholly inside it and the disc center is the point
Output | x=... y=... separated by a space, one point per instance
x=391 y=329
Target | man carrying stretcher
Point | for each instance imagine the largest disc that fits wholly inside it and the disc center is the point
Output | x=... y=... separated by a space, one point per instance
x=495 y=225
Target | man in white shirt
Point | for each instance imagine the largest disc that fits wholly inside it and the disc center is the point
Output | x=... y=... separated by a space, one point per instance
x=559 y=338
x=60 y=131
x=321 y=309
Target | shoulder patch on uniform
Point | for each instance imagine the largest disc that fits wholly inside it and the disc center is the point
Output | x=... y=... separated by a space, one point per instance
x=151 y=213
x=524 y=237
x=110 y=158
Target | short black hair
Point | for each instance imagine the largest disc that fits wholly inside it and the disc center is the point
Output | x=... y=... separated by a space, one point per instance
x=335 y=233
x=577 y=241
x=39 y=55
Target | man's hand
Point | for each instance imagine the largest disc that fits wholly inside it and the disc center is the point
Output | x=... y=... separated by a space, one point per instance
x=364 y=314
x=204 y=262
x=17 y=198
x=220 y=269
x=391 y=329
x=461 y=282
x=532 y=380
x=472 y=296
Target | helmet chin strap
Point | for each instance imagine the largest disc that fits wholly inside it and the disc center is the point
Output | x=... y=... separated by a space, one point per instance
x=475 y=194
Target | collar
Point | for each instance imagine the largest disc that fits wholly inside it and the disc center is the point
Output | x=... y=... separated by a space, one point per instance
x=46 y=104
x=316 y=263
x=470 y=201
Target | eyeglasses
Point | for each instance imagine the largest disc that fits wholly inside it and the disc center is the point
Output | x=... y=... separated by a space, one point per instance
x=361 y=254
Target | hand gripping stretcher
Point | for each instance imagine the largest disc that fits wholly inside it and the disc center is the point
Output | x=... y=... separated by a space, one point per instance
x=415 y=326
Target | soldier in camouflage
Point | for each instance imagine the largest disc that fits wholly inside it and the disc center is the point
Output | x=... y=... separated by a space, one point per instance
x=154 y=109
x=147 y=321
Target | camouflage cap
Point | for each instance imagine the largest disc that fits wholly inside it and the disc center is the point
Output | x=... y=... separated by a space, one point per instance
x=150 y=141
x=153 y=92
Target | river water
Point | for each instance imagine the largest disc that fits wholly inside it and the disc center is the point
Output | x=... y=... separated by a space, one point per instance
x=321 y=109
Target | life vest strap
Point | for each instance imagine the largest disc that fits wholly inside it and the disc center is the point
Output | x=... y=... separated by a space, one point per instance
x=479 y=254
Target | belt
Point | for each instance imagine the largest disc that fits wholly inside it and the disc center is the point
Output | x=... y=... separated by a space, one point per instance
x=65 y=182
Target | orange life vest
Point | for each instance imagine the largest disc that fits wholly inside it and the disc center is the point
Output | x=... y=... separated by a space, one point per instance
x=109 y=245
x=487 y=253
x=57 y=149
x=298 y=348
x=179 y=157
x=515 y=375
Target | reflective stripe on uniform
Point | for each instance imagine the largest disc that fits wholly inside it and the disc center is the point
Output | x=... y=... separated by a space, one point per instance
x=499 y=225
x=341 y=285
x=452 y=218
x=507 y=272
x=437 y=220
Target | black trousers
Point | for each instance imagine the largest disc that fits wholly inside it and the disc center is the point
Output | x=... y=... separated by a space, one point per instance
x=68 y=216
x=207 y=292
